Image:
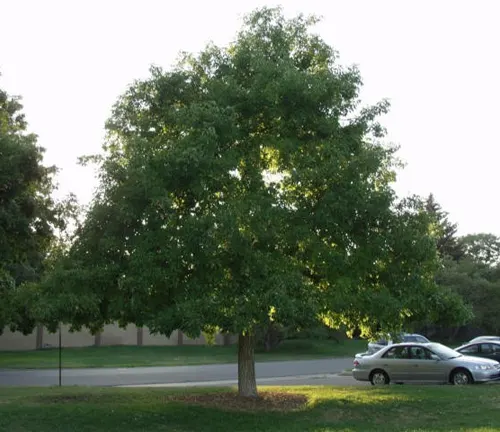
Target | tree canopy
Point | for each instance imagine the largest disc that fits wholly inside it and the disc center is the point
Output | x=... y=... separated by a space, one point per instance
x=476 y=286
x=28 y=214
x=248 y=184
x=482 y=248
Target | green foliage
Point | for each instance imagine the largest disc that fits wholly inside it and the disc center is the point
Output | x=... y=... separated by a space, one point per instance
x=29 y=217
x=209 y=335
x=482 y=248
x=248 y=184
x=444 y=231
x=472 y=281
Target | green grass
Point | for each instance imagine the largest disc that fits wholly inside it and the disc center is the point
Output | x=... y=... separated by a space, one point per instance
x=133 y=356
x=394 y=408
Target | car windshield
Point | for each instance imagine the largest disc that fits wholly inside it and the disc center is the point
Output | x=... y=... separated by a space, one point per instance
x=444 y=351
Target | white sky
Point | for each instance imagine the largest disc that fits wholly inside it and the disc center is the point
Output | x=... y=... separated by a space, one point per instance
x=438 y=61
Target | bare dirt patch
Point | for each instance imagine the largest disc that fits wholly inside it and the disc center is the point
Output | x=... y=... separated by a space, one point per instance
x=266 y=401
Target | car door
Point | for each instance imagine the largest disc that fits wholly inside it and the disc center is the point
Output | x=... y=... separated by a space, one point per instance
x=496 y=352
x=395 y=363
x=425 y=366
x=488 y=350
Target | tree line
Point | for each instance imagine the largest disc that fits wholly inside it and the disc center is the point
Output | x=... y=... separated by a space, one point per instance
x=469 y=267
x=247 y=185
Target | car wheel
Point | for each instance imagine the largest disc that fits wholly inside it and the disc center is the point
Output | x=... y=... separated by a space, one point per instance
x=461 y=377
x=379 y=377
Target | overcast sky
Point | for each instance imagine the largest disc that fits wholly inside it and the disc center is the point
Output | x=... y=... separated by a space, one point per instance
x=437 y=61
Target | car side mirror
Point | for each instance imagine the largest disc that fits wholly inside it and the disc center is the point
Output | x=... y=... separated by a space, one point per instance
x=435 y=357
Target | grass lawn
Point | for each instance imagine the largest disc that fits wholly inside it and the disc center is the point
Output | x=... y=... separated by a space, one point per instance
x=133 y=356
x=290 y=409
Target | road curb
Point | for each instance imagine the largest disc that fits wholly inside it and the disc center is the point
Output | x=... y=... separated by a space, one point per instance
x=223 y=383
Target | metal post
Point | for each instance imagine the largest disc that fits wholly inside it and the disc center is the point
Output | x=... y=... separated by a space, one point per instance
x=60 y=356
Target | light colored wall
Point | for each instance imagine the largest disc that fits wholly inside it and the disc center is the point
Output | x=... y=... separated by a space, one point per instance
x=16 y=341
x=112 y=335
x=197 y=341
x=219 y=339
x=69 y=340
x=150 y=339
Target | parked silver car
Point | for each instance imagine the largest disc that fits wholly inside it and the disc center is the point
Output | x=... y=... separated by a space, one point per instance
x=428 y=362
x=374 y=346
x=485 y=348
x=484 y=338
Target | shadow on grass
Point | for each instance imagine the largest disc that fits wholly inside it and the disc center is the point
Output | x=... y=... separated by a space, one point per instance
x=395 y=408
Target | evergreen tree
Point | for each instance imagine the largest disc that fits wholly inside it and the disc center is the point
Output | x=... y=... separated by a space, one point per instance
x=445 y=231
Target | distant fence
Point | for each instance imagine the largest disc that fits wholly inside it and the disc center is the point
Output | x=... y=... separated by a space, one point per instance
x=111 y=335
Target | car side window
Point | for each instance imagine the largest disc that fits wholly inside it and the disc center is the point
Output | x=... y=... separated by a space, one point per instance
x=471 y=349
x=397 y=353
x=420 y=353
x=487 y=348
x=496 y=348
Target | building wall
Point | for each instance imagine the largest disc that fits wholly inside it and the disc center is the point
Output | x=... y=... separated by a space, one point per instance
x=150 y=339
x=68 y=339
x=114 y=335
x=111 y=335
x=17 y=341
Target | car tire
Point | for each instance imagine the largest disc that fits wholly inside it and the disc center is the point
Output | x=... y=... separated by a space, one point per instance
x=379 y=377
x=461 y=377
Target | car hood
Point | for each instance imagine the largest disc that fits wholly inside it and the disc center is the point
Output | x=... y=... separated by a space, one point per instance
x=475 y=360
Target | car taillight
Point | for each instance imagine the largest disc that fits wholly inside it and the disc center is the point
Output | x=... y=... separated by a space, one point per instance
x=356 y=363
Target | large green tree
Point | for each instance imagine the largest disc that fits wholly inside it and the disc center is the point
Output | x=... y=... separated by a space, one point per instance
x=247 y=185
x=29 y=217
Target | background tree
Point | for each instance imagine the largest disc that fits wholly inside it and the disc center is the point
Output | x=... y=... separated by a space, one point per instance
x=472 y=281
x=246 y=186
x=29 y=217
x=444 y=231
x=482 y=248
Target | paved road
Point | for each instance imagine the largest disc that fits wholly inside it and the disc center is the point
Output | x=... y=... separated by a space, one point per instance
x=174 y=375
x=315 y=380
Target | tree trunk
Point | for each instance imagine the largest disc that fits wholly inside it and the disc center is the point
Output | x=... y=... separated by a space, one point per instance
x=247 y=384
x=39 y=337
x=97 y=339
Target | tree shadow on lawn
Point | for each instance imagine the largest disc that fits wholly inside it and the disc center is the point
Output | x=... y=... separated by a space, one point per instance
x=309 y=409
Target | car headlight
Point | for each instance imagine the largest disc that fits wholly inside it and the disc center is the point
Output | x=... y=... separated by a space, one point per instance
x=483 y=367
